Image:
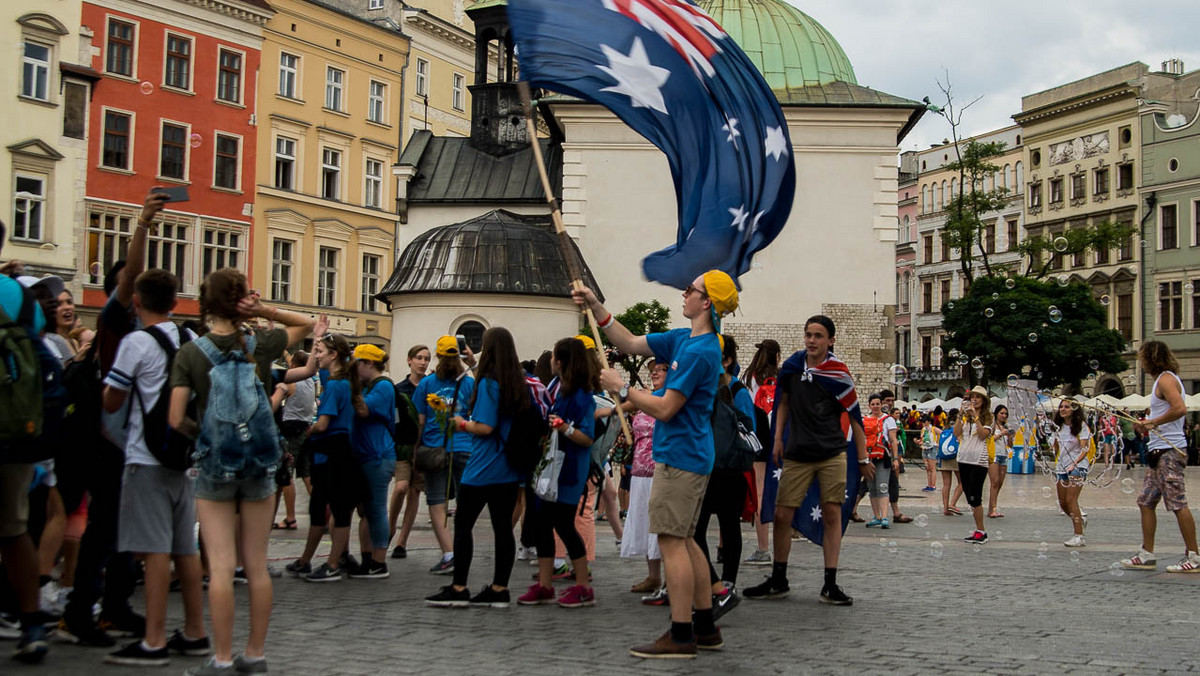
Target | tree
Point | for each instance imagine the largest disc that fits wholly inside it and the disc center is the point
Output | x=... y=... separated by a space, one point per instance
x=964 y=228
x=1051 y=331
x=1041 y=252
x=640 y=318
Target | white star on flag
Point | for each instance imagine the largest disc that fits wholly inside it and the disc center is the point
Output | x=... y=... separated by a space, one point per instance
x=739 y=217
x=776 y=144
x=777 y=474
x=636 y=77
x=731 y=127
x=816 y=513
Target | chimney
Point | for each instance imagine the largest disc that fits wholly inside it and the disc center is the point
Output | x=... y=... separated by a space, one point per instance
x=1173 y=66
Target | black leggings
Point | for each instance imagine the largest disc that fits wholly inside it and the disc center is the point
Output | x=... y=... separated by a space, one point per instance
x=556 y=517
x=338 y=483
x=972 y=477
x=725 y=497
x=501 y=500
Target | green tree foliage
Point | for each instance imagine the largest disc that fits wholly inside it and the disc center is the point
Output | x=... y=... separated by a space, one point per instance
x=964 y=228
x=1041 y=252
x=640 y=318
x=1024 y=336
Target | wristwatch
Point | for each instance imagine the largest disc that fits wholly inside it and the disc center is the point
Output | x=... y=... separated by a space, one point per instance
x=624 y=391
x=864 y=461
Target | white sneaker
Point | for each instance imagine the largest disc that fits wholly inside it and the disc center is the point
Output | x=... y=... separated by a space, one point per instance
x=522 y=553
x=1143 y=560
x=50 y=598
x=1188 y=564
x=1075 y=541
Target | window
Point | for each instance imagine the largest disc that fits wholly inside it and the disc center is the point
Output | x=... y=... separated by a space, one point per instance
x=375 y=101
x=285 y=163
x=472 y=332
x=1078 y=259
x=990 y=237
x=459 y=96
x=334 y=79
x=927 y=297
x=35 y=74
x=331 y=173
x=1013 y=237
x=944 y=297
x=222 y=249
x=119 y=50
x=1078 y=187
x=1035 y=196
x=1195 y=304
x=1056 y=191
x=225 y=166
x=1168 y=227
x=327 y=262
x=375 y=4
x=179 y=62
x=1196 y=225
x=928 y=244
x=108 y=235
x=945 y=247
x=927 y=351
x=1102 y=256
x=370 y=281
x=281 y=270
x=373 y=184
x=29 y=208
x=1125 y=316
x=168 y=249
x=173 y=161
x=115 y=154
x=1100 y=181
x=1125 y=176
x=1170 y=306
x=1125 y=252
x=422 y=77
x=229 y=76
x=289 y=68
x=902 y=291
x=75 y=110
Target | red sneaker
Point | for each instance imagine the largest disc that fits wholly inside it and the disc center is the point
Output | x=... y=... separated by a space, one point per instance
x=537 y=595
x=577 y=596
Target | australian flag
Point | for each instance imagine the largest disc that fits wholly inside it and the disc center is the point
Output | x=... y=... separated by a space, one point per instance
x=834 y=376
x=672 y=74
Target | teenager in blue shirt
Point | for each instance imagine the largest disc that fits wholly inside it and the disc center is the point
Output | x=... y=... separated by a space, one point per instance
x=683 y=448
x=488 y=479
x=375 y=448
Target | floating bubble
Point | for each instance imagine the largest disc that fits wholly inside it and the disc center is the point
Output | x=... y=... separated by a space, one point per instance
x=1127 y=486
x=1033 y=339
x=1013 y=379
x=935 y=355
x=883 y=542
x=1056 y=316
x=1145 y=244
x=1075 y=557
x=1094 y=364
x=989 y=313
x=21 y=204
x=146 y=87
x=950 y=305
x=1043 y=547
x=922 y=520
x=995 y=296
x=897 y=374
x=936 y=549
x=946 y=536
x=961 y=359
x=1061 y=243
x=1047 y=493
x=1189 y=288
x=891 y=546
x=1042 y=556
x=999 y=535
x=1010 y=283
x=1091 y=377
x=1116 y=570
x=1038 y=534
x=1063 y=280
x=196 y=140
x=1105 y=300
x=1012 y=306
x=1039 y=377
x=976 y=363
x=1052 y=308
x=976 y=548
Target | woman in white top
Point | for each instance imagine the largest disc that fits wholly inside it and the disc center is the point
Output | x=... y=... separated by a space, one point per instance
x=973 y=427
x=1003 y=437
x=1071 y=449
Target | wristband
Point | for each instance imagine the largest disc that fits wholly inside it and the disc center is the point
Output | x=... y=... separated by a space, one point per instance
x=462 y=425
x=606 y=322
x=569 y=431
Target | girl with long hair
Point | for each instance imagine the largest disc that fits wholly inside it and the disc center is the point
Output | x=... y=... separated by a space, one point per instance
x=973 y=428
x=1003 y=436
x=235 y=513
x=375 y=449
x=1071 y=469
x=409 y=482
x=488 y=479
x=763 y=366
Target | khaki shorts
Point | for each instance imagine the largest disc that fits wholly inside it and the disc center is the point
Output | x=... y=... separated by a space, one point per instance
x=14 y=498
x=406 y=472
x=798 y=476
x=675 y=500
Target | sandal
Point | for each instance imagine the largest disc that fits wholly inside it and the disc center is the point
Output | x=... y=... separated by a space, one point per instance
x=900 y=518
x=856 y=518
x=996 y=515
x=289 y=524
x=951 y=512
x=956 y=511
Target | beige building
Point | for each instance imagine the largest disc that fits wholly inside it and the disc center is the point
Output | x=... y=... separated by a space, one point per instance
x=48 y=84
x=331 y=121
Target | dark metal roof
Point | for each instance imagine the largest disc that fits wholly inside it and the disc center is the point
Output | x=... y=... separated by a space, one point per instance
x=498 y=252
x=450 y=169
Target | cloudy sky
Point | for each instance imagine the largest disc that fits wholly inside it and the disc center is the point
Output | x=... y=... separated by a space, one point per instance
x=1001 y=51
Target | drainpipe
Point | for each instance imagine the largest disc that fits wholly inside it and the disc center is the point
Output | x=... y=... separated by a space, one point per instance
x=1151 y=202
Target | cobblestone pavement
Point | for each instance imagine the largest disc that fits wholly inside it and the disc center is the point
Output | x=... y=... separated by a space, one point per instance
x=997 y=608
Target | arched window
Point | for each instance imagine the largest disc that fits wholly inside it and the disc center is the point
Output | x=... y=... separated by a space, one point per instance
x=923 y=201
x=953 y=189
x=472 y=332
x=937 y=196
x=1020 y=176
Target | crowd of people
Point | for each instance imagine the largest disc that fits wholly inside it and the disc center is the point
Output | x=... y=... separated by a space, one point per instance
x=163 y=452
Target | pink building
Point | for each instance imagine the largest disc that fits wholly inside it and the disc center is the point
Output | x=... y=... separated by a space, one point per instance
x=907 y=201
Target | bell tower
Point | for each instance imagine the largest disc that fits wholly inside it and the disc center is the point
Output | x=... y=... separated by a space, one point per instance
x=498 y=123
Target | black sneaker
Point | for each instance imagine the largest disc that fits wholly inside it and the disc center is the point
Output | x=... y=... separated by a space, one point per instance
x=348 y=563
x=84 y=632
x=723 y=603
x=32 y=647
x=491 y=598
x=324 y=573
x=399 y=552
x=242 y=665
x=136 y=655
x=834 y=596
x=192 y=647
x=770 y=589
x=449 y=597
x=239 y=576
x=299 y=569
x=369 y=570
x=126 y=624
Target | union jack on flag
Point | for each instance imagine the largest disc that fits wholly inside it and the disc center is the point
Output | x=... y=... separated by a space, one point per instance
x=672 y=74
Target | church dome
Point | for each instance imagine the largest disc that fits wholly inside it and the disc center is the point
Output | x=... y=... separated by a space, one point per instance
x=791 y=50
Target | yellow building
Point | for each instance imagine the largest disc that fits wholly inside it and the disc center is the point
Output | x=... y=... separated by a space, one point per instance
x=45 y=134
x=331 y=124
x=441 y=67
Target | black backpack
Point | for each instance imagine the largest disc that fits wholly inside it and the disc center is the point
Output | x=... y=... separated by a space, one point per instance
x=169 y=447
x=526 y=438
x=84 y=390
x=734 y=443
x=762 y=420
x=406 y=432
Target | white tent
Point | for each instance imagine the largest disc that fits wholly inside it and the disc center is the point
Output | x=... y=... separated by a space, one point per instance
x=1135 y=402
x=1105 y=400
x=1193 y=402
x=926 y=406
x=953 y=403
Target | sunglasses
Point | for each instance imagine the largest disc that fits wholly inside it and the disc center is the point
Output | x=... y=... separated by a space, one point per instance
x=692 y=289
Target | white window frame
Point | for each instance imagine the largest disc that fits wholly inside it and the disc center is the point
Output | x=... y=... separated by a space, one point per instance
x=325 y=166
x=373 y=183
x=191 y=60
x=237 y=183
x=35 y=204
x=289 y=74
x=187 y=151
x=458 y=92
x=165 y=240
x=103 y=239
x=241 y=97
x=104 y=111
x=327 y=276
x=41 y=71
x=281 y=270
x=335 y=87
x=375 y=4
x=133 y=47
x=223 y=251
x=1160 y=298
x=277 y=155
x=369 y=282
x=423 y=73
x=377 y=104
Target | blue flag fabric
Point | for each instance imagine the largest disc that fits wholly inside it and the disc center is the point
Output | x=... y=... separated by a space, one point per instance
x=834 y=376
x=672 y=74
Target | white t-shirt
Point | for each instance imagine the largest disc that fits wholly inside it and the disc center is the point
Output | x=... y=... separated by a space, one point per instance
x=971 y=449
x=1072 y=450
x=141 y=361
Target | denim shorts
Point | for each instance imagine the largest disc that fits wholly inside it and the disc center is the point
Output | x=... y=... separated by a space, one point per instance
x=231 y=490
x=1078 y=473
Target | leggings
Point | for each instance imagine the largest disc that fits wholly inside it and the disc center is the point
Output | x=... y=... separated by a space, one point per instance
x=894 y=487
x=971 y=477
x=556 y=517
x=725 y=497
x=337 y=483
x=501 y=500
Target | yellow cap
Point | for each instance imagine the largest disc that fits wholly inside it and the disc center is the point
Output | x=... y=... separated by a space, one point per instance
x=369 y=352
x=587 y=341
x=721 y=291
x=447 y=346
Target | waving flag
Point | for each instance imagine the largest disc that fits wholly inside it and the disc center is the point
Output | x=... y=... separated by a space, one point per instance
x=672 y=74
x=834 y=376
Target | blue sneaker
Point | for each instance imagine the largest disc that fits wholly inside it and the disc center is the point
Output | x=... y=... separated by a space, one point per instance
x=884 y=523
x=874 y=523
x=32 y=647
x=929 y=489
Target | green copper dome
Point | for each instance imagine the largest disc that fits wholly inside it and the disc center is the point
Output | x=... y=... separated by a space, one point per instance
x=790 y=49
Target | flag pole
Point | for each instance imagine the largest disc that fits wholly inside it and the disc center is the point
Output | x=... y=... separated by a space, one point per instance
x=564 y=244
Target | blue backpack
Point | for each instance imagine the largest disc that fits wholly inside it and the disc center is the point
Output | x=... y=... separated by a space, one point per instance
x=238 y=437
x=947 y=445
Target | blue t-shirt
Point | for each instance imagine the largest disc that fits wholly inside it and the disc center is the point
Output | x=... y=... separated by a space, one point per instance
x=686 y=441
x=11 y=296
x=335 y=402
x=372 y=435
x=488 y=464
x=460 y=442
x=580 y=408
x=744 y=404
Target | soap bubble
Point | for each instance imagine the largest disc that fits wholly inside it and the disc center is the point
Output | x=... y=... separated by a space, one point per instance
x=1063 y=280
x=922 y=520
x=989 y=313
x=936 y=549
x=1075 y=557
x=1061 y=243
x=1039 y=377
x=999 y=535
x=1145 y=244
x=1042 y=556
x=21 y=204
x=1033 y=338
x=1043 y=547
x=1010 y=283
x=1127 y=486
x=950 y=305
x=883 y=542
x=995 y=296
x=961 y=359
x=891 y=546
x=1116 y=570
x=1038 y=534
x=1052 y=308
x=976 y=548
x=976 y=363
x=935 y=354
x=1094 y=364
x=1047 y=492
x=196 y=140
x=1012 y=306
x=1189 y=288
x=146 y=87
x=1105 y=300
x=1013 y=379
x=1056 y=315
x=897 y=374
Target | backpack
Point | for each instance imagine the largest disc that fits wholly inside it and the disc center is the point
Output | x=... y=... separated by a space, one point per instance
x=762 y=417
x=21 y=403
x=764 y=398
x=947 y=445
x=876 y=445
x=84 y=389
x=170 y=448
x=238 y=438
x=605 y=437
x=526 y=437
x=406 y=431
x=734 y=444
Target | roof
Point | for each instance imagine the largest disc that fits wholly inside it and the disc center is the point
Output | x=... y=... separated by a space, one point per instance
x=498 y=252
x=450 y=169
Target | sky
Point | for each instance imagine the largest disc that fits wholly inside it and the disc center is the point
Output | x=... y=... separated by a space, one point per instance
x=999 y=50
